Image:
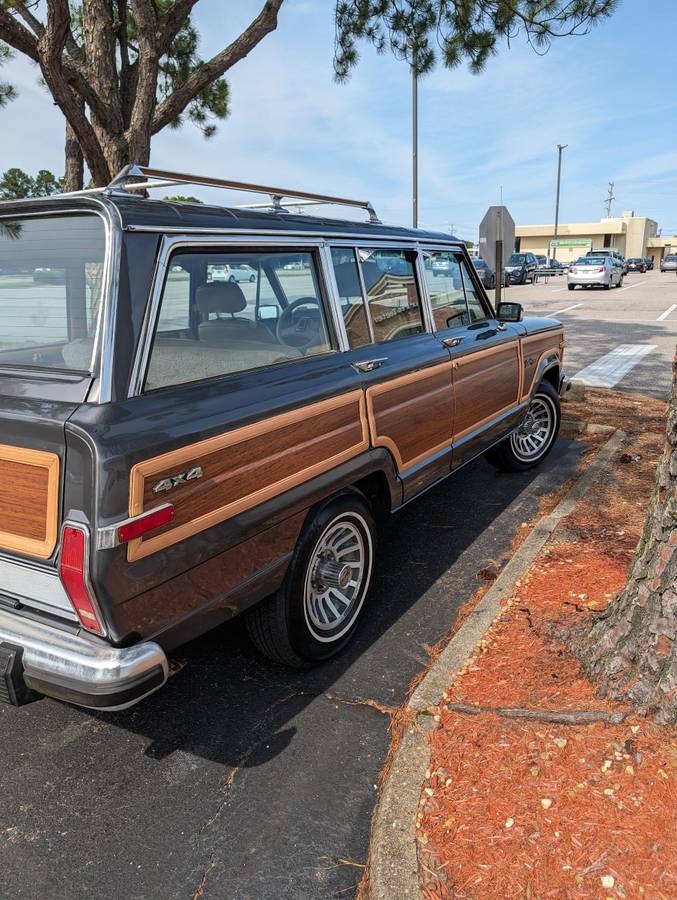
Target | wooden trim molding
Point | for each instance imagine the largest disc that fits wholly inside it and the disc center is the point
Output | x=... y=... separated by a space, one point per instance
x=248 y=466
x=29 y=500
x=438 y=402
x=545 y=344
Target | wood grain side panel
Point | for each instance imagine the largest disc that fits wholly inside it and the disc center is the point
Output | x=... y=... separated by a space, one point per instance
x=413 y=415
x=486 y=385
x=534 y=348
x=247 y=466
x=29 y=499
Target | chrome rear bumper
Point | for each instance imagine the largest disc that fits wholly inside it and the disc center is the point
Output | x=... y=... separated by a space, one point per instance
x=81 y=670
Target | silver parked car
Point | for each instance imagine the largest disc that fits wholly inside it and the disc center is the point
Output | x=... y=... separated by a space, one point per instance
x=669 y=263
x=595 y=271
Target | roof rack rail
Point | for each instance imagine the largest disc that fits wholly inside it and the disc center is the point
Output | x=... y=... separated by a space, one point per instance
x=128 y=179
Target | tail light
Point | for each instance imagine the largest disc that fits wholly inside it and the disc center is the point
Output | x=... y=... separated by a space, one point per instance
x=74 y=575
x=601 y=269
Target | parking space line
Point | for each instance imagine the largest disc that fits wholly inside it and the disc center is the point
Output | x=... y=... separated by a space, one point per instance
x=609 y=369
x=566 y=309
x=667 y=312
x=559 y=290
x=636 y=284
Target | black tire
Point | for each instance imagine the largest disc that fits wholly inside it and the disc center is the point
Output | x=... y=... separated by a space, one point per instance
x=506 y=457
x=492 y=283
x=252 y=278
x=232 y=279
x=523 y=279
x=607 y=287
x=571 y=286
x=282 y=627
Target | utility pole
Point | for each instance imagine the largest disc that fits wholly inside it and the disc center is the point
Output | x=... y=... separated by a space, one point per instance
x=414 y=139
x=609 y=200
x=560 y=147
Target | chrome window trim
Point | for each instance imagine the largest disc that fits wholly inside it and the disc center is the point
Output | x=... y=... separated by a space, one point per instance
x=333 y=297
x=169 y=244
x=426 y=302
x=335 y=238
x=101 y=362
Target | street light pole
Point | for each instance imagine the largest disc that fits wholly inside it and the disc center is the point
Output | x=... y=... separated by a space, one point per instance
x=414 y=141
x=560 y=147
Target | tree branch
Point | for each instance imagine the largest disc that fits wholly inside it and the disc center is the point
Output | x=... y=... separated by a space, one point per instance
x=50 y=50
x=172 y=22
x=174 y=105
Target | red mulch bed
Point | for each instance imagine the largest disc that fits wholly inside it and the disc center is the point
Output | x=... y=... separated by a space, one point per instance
x=515 y=809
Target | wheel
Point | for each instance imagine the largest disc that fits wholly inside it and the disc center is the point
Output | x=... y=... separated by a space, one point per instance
x=252 y=277
x=315 y=612
x=534 y=437
x=523 y=278
x=607 y=287
x=620 y=282
x=492 y=283
x=232 y=279
x=571 y=286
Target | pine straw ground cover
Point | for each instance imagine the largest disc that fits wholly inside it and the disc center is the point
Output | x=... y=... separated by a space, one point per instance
x=521 y=809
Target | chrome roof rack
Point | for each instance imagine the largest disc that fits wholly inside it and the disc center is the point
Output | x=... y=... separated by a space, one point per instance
x=135 y=177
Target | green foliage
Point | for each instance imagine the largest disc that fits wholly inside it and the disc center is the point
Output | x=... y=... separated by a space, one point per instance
x=180 y=198
x=175 y=69
x=423 y=31
x=7 y=92
x=15 y=184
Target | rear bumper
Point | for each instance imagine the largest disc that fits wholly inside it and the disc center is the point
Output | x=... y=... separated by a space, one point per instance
x=596 y=278
x=82 y=670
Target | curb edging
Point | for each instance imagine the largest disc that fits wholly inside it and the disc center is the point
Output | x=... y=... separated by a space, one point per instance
x=393 y=868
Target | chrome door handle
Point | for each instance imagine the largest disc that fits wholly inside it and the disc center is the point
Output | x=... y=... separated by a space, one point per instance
x=368 y=365
x=452 y=342
x=501 y=326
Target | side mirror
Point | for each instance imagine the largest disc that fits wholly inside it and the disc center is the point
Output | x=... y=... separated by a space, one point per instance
x=509 y=312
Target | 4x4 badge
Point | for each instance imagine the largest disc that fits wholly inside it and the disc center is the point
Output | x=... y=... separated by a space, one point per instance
x=166 y=484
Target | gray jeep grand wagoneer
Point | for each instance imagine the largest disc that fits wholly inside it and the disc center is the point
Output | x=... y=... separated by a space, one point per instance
x=178 y=447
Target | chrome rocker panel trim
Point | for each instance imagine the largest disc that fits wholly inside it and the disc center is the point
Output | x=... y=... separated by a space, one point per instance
x=83 y=670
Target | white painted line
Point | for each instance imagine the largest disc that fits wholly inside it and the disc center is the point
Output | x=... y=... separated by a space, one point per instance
x=566 y=309
x=609 y=369
x=636 y=284
x=667 y=312
x=559 y=290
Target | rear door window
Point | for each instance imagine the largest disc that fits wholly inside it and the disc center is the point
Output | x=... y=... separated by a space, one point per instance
x=392 y=293
x=51 y=286
x=223 y=312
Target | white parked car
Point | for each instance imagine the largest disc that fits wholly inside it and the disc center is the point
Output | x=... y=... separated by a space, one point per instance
x=233 y=273
x=595 y=271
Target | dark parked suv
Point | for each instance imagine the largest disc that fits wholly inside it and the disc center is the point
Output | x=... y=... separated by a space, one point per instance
x=520 y=268
x=178 y=448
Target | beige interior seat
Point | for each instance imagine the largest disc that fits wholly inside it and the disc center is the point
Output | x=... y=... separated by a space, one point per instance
x=224 y=300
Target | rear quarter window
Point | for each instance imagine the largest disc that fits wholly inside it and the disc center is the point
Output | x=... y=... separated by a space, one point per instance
x=51 y=286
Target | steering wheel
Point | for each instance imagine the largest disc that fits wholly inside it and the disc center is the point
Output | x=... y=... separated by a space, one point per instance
x=302 y=331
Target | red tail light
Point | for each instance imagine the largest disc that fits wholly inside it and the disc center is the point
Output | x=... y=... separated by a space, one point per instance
x=601 y=269
x=74 y=575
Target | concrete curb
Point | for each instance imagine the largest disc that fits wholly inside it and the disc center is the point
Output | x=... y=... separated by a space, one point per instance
x=393 y=870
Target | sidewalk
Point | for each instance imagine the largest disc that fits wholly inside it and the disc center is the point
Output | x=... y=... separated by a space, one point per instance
x=530 y=807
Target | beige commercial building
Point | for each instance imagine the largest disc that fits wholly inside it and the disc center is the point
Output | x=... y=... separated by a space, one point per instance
x=631 y=235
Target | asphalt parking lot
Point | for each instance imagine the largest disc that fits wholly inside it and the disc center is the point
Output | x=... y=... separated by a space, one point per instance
x=242 y=779
x=637 y=323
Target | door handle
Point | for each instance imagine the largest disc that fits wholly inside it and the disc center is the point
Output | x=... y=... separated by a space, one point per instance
x=501 y=326
x=368 y=365
x=452 y=342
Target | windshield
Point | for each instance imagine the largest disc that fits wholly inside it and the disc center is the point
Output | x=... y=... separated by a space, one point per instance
x=479 y=263
x=51 y=283
x=671 y=258
x=517 y=259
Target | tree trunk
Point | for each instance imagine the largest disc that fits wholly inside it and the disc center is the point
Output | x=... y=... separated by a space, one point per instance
x=631 y=649
x=75 y=166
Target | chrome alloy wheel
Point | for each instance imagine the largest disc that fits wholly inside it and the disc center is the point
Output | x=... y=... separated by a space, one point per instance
x=535 y=433
x=337 y=577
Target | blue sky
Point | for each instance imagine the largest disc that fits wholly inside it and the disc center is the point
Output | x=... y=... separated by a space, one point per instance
x=609 y=95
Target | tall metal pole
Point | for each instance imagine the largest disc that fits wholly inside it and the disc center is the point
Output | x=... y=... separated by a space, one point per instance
x=414 y=141
x=560 y=147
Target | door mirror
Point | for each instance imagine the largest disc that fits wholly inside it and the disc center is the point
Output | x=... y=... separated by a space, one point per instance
x=509 y=312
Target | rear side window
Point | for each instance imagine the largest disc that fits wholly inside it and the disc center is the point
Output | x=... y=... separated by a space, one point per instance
x=51 y=285
x=223 y=312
